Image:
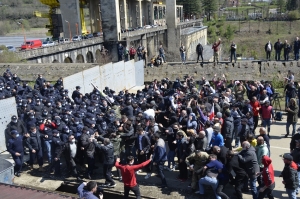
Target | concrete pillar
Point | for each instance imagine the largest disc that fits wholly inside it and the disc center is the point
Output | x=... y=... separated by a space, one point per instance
x=140 y=14
x=95 y=15
x=173 y=41
x=71 y=16
x=111 y=26
x=125 y=20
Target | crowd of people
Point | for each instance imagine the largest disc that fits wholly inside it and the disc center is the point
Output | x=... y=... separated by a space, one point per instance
x=210 y=126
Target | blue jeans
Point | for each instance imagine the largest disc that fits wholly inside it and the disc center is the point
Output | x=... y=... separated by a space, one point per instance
x=291 y=193
x=163 y=56
x=287 y=99
x=277 y=55
x=253 y=187
x=213 y=182
x=233 y=54
x=182 y=55
x=267 y=123
x=171 y=156
x=236 y=135
x=288 y=124
x=48 y=150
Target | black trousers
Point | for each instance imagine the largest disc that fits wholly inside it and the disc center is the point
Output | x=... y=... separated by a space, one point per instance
x=39 y=155
x=220 y=193
x=71 y=165
x=135 y=190
x=240 y=181
x=228 y=142
x=160 y=170
x=267 y=192
x=200 y=55
x=183 y=172
x=18 y=162
x=255 y=120
x=268 y=55
x=260 y=179
x=107 y=173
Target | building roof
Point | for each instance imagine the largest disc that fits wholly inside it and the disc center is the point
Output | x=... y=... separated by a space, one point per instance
x=13 y=192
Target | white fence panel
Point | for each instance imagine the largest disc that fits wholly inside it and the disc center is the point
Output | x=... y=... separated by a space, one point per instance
x=107 y=76
x=139 y=73
x=119 y=76
x=72 y=81
x=129 y=74
x=8 y=108
x=91 y=75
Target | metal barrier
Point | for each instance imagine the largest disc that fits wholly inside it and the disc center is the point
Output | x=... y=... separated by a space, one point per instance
x=117 y=76
x=6 y=171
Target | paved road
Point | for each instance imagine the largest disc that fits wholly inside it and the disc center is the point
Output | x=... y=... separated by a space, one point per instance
x=279 y=146
x=16 y=41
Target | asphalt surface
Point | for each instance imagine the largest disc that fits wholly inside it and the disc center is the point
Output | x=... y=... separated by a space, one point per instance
x=177 y=189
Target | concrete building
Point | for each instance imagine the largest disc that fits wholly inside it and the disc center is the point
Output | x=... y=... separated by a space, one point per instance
x=120 y=16
x=154 y=23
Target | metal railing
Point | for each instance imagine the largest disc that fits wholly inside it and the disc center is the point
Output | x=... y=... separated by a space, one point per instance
x=143 y=31
x=26 y=54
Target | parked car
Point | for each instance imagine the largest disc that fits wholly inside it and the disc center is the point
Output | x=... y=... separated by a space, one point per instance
x=77 y=38
x=48 y=43
x=97 y=34
x=31 y=44
x=147 y=26
x=88 y=36
x=11 y=48
x=64 y=40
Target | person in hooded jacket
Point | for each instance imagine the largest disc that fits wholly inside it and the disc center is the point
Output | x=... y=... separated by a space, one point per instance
x=290 y=176
x=227 y=129
x=296 y=158
x=268 y=179
x=192 y=122
x=107 y=148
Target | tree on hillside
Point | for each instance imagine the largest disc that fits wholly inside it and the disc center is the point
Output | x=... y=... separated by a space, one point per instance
x=281 y=5
x=292 y=4
x=190 y=7
x=210 y=6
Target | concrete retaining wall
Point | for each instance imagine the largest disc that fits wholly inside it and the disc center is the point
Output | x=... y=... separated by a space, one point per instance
x=240 y=70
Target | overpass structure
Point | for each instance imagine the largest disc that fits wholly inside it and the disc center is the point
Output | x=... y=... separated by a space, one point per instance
x=117 y=17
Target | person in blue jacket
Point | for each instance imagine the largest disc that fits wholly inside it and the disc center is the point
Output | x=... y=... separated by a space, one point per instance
x=89 y=190
x=217 y=138
x=160 y=157
x=16 y=149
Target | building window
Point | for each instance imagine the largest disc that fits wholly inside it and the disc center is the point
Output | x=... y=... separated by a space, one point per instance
x=164 y=12
x=160 y=12
x=155 y=12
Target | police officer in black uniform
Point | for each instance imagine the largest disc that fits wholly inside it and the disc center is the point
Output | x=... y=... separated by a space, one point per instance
x=33 y=142
x=57 y=147
x=15 y=148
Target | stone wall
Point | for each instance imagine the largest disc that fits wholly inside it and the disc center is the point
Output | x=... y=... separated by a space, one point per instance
x=51 y=72
x=240 y=71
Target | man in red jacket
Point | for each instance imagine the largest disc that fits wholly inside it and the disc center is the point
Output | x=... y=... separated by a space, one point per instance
x=128 y=175
x=255 y=109
x=268 y=179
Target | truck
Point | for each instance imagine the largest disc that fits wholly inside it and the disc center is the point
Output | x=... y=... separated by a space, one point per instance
x=31 y=44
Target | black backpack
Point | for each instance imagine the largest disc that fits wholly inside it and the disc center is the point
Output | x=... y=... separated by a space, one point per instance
x=278 y=116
